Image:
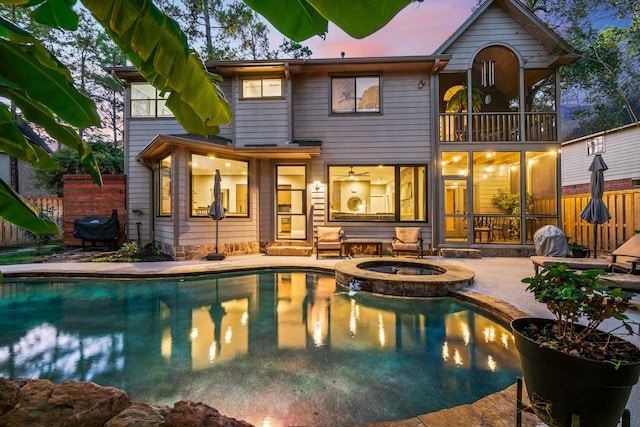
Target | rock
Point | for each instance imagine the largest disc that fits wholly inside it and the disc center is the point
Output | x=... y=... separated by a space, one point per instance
x=72 y=403
x=8 y=395
x=140 y=414
x=186 y=413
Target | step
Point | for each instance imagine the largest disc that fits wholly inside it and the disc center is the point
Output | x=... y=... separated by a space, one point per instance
x=289 y=250
x=460 y=253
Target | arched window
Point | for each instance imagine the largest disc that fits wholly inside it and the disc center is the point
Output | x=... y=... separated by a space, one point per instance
x=496 y=80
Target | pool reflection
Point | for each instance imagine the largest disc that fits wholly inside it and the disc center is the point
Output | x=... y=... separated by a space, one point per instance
x=287 y=336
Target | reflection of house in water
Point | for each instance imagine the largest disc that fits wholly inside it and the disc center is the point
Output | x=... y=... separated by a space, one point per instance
x=110 y=334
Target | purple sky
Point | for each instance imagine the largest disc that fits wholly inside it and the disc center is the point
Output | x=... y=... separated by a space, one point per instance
x=419 y=29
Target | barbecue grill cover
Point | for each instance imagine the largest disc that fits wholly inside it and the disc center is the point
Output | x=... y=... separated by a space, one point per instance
x=97 y=228
x=550 y=241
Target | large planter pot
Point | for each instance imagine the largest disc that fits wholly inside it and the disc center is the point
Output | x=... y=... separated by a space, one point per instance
x=560 y=385
x=579 y=253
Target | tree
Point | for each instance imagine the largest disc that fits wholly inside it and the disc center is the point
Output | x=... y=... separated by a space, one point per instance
x=35 y=82
x=109 y=158
x=605 y=81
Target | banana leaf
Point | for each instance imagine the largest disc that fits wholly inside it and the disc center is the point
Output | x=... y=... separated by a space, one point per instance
x=21 y=213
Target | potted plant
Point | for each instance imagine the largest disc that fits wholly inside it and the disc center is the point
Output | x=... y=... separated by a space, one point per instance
x=578 y=250
x=573 y=369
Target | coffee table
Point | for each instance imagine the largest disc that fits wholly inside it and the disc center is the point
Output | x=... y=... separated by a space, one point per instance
x=350 y=244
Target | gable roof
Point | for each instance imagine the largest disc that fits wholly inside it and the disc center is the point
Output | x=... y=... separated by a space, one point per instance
x=529 y=21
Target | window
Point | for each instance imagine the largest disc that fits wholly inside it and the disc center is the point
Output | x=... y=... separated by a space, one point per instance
x=595 y=145
x=377 y=193
x=146 y=101
x=234 y=185
x=355 y=94
x=262 y=88
x=164 y=186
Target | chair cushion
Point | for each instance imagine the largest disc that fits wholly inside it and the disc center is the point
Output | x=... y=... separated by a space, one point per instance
x=408 y=234
x=405 y=246
x=329 y=234
x=329 y=245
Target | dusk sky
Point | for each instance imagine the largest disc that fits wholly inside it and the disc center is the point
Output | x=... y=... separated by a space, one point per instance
x=419 y=29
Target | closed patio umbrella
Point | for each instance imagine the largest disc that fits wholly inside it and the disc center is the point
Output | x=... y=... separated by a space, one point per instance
x=216 y=212
x=596 y=211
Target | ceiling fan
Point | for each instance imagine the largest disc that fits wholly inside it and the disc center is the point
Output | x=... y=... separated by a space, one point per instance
x=352 y=174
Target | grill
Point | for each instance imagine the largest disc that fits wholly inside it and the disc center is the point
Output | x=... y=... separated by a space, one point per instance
x=98 y=229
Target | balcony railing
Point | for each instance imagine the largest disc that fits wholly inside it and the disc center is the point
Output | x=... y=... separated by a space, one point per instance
x=497 y=127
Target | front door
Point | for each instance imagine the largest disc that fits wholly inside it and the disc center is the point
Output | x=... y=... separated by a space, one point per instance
x=291 y=207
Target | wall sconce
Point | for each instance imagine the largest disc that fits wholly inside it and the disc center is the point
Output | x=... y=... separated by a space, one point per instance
x=421 y=84
x=316 y=186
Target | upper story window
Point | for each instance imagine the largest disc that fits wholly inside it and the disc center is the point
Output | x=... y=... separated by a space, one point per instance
x=261 y=88
x=146 y=101
x=355 y=94
x=595 y=145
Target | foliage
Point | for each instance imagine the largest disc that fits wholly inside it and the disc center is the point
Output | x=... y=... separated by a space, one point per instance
x=605 y=82
x=130 y=249
x=509 y=202
x=575 y=246
x=571 y=296
x=28 y=256
x=42 y=88
x=458 y=101
x=109 y=158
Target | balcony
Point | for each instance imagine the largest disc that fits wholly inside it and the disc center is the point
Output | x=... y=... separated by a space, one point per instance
x=502 y=127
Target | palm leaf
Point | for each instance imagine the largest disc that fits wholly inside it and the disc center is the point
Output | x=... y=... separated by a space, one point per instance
x=18 y=211
x=28 y=66
x=156 y=46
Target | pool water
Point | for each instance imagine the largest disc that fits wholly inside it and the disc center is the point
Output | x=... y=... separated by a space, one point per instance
x=272 y=347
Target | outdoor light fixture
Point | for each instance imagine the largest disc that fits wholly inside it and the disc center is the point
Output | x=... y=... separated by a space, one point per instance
x=421 y=84
x=316 y=186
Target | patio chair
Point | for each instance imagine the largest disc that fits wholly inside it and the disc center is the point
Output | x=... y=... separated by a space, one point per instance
x=626 y=258
x=407 y=239
x=329 y=239
x=482 y=225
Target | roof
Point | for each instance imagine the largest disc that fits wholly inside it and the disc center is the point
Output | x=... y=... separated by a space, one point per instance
x=525 y=17
x=162 y=144
x=300 y=66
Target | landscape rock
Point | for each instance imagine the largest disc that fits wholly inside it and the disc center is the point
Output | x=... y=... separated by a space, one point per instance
x=34 y=403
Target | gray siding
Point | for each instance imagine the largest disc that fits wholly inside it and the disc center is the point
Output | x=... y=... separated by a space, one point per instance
x=400 y=134
x=621 y=148
x=139 y=178
x=5 y=168
x=260 y=121
x=496 y=26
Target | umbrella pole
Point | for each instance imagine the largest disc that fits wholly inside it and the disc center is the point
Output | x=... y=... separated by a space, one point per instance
x=595 y=239
x=217 y=235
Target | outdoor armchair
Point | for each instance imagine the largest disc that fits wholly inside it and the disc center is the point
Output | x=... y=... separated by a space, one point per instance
x=329 y=239
x=407 y=239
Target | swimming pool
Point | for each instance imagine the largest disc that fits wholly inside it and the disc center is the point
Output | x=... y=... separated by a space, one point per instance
x=273 y=347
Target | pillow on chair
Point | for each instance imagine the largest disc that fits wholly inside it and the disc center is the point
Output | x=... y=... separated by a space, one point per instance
x=329 y=234
x=408 y=234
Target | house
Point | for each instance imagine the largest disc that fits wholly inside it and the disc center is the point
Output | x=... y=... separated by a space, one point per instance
x=620 y=150
x=364 y=143
x=616 y=146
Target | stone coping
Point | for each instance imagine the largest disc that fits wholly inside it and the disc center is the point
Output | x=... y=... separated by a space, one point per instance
x=451 y=277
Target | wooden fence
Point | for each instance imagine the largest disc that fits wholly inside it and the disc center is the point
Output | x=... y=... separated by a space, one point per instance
x=624 y=207
x=12 y=235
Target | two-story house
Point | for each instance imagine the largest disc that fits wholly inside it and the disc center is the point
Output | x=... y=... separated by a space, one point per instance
x=365 y=143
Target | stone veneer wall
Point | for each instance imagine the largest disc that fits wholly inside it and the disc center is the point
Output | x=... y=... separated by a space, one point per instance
x=196 y=252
